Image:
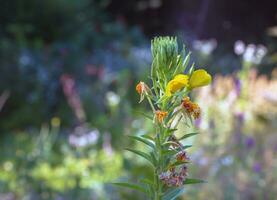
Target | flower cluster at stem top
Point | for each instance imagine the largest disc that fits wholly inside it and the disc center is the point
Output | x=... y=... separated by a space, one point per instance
x=170 y=103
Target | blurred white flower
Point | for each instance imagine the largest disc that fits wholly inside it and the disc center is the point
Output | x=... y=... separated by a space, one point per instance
x=227 y=160
x=83 y=140
x=260 y=52
x=239 y=47
x=206 y=47
x=251 y=53
x=8 y=166
x=112 y=99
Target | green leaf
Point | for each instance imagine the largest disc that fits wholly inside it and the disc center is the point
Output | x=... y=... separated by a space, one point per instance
x=161 y=100
x=192 y=68
x=172 y=130
x=152 y=154
x=145 y=115
x=187 y=136
x=142 y=154
x=132 y=186
x=193 y=181
x=153 y=76
x=169 y=143
x=180 y=61
x=173 y=193
x=186 y=62
x=187 y=146
x=169 y=152
x=148 y=137
x=150 y=185
x=147 y=181
x=143 y=140
x=169 y=131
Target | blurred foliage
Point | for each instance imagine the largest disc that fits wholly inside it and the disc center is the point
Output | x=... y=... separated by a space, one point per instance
x=39 y=45
x=237 y=149
x=40 y=166
x=66 y=58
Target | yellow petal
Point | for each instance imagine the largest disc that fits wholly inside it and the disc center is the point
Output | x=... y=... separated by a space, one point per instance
x=182 y=78
x=199 y=78
x=168 y=90
x=179 y=82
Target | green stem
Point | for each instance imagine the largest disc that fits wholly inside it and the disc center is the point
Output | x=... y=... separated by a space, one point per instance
x=151 y=104
x=157 y=167
x=157 y=191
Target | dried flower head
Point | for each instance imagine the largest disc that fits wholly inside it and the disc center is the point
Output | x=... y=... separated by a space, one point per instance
x=184 y=171
x=182 y=156
x=139 y=87
x=160 y=115
x=173 y=178
x=143 y=90
x=191 y=108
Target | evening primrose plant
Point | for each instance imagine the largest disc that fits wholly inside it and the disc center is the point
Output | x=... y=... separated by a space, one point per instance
x=168 y=97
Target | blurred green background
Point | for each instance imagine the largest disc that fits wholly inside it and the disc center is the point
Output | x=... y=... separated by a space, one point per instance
x=68 y=69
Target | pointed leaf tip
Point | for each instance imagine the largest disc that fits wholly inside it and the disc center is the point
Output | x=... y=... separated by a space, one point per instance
x=131 y=186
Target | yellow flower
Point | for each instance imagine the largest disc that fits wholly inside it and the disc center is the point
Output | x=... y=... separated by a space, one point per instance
x=177 y=83
x=199 y=78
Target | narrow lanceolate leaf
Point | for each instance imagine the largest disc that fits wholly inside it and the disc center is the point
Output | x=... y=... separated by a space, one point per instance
x=161 y=100
x=150 y=185
x=192 y=68
x=187 y=146
x=172 y=130
x=142 y=154
x=186 y=62
x=132 y=186
x=145 y=115
x=147 y=181
x=179 y=64
x=169 y=153
x=153 y=157
x=173 y=193
x=193 y=181
x=148 y=137
x=153 y=76
x=187 y=136
x=143 y=140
